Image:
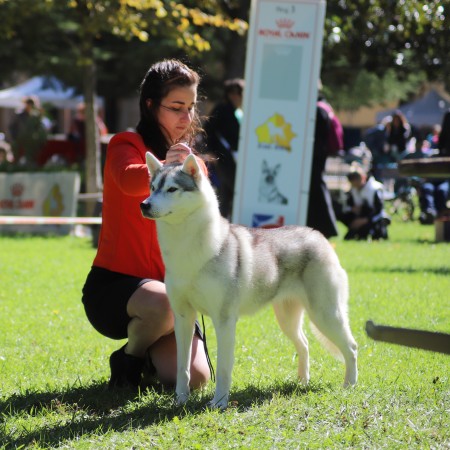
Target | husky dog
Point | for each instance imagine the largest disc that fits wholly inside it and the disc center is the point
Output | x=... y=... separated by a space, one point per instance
x=268 y=190
x=224 y=270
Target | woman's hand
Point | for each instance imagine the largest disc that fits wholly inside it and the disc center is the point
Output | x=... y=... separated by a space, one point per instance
x=177 y=153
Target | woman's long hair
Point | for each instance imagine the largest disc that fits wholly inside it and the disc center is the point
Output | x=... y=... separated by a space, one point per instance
x=160 y=79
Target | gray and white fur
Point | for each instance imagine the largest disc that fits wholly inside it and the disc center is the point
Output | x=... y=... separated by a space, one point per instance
x=224 y=270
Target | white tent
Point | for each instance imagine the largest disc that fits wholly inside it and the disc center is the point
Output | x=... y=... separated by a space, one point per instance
x=47 y=89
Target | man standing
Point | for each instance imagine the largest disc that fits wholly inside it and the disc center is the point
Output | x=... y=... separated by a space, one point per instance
x=28 y=133
x=222 y=131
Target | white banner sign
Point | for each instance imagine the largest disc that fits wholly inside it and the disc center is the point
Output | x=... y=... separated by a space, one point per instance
x=276 y=139
x=39 y=194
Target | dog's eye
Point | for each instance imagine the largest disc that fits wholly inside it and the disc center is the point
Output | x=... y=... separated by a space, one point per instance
x=172 y=189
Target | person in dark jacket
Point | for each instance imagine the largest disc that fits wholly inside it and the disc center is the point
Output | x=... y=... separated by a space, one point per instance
x=222 y=130
x=434 y=192
x=444 y=136
x=321 y=214
x=399 y=133
x=28 y=133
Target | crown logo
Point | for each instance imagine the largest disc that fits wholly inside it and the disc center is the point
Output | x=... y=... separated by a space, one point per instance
x=17 y=189
x=285 y=23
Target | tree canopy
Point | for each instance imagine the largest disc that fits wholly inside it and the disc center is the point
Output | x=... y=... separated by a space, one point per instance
x=78 y=39
x=393 y=44
x=373 y=50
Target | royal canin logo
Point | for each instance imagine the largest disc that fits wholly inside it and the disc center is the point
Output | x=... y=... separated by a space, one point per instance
x=17 y=189
x=16 y=203
x=284 y=29
x=285 y=23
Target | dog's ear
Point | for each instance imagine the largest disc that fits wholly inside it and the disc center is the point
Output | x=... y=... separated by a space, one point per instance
x=153 y=164
x=191 y=167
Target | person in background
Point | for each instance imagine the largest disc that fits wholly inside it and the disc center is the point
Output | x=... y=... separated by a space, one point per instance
x=444 y=136
x=363 y=212
x=376 y=137
x=77 y=132
x=328 y=140
x=376 y=140
x=124 y=295
x=6 y=156
x=433 y=197
x=434 y=192
x=28 y=133
x=433 y=138
x=398 y=135
x=222 y=132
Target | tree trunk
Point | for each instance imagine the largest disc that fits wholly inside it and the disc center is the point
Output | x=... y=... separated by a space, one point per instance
x=235 y=59
x=93 y=149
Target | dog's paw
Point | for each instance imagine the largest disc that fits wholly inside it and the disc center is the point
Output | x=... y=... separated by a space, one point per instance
x=303 y=380
x=349 y=383
x=182 y=399
x=221 y=403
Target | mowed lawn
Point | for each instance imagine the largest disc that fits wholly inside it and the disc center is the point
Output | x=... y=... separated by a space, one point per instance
x=54 y=366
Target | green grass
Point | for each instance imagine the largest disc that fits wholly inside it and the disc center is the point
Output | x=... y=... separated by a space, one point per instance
x=54 y=366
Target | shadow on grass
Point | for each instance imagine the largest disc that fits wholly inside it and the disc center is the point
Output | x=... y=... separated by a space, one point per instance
x=407 y=270
x=94 y=410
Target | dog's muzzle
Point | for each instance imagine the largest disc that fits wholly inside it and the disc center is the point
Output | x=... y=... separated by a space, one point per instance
x=146 y=208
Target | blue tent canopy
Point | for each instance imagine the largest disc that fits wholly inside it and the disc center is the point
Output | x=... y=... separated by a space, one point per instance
x=426 y=111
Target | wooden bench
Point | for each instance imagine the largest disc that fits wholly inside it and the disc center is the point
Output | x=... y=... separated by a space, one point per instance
x=438 y=167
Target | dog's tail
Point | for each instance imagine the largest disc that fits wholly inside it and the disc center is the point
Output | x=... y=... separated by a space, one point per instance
x=327 y=343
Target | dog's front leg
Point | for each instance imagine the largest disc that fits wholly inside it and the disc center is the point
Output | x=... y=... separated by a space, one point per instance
x=225 y=334
x=184 y=330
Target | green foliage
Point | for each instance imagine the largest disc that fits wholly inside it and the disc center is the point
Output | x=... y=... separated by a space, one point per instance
x=54 y=366
x=362 y=40
x=72 y=39
x=406 y=37
x=65 y=35
x=369 y=89
x=377 y=35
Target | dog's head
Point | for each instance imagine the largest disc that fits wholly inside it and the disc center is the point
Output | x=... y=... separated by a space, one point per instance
x=174 y=189
x=269 y=174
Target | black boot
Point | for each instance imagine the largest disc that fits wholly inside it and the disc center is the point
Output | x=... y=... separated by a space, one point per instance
x=126 y=370
x=149 y=375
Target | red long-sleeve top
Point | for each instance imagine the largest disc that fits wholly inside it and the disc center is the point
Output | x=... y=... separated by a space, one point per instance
x=128 y=242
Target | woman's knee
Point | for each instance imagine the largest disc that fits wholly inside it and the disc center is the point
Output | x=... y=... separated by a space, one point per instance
x=150 y=303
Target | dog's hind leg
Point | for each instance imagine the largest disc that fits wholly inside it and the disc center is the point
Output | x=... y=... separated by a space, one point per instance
x=338 y=334
x=290 y=318
x=327 y=309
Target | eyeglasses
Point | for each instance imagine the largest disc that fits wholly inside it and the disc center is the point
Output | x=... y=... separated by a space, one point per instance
x=180 y=111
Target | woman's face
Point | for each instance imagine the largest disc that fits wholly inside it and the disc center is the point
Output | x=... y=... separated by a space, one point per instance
x=176 y=111
x=396 y=121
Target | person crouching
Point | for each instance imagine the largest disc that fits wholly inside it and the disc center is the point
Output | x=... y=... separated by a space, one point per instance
x=363 y=211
